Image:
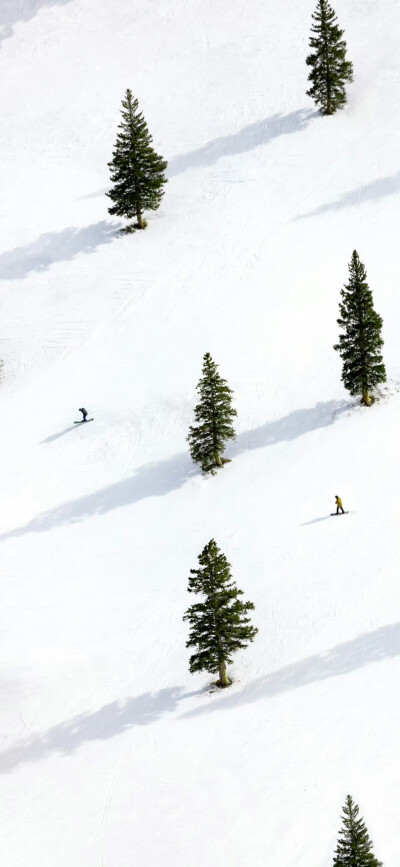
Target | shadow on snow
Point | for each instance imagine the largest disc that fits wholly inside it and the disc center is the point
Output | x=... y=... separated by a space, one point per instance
x=371 y=647
x=290 y=427
x=159 y=479
x=378 y=189
x=120 y=716
x=315 y=521
x=107 y=722
x=54 y=247
x=60 y=433
x=14 y=11
x=247 y=139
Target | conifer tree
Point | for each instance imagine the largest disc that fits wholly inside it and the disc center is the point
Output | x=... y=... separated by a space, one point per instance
x=137 y=172
x=354 y=848
x=219 y=626
x=361 y=342
x=214 y=416
x=329 y=68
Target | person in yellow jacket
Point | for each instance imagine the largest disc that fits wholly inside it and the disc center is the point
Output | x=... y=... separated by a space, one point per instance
x=339 y=505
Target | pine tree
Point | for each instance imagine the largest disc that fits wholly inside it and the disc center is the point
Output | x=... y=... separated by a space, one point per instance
x=214 y=416
x=354 y=848
x=137 y=172
x=219 y=626
x=361 y=342
x=329 y=68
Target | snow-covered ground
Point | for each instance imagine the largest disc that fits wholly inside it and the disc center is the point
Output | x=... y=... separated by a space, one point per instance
x=112 y=754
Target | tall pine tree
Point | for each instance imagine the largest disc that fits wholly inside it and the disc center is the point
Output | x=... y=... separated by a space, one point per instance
x=219 y=626
x=361 y=342
x=214 y=416
x=354 y=848
x=137 y=172
x=329 y=68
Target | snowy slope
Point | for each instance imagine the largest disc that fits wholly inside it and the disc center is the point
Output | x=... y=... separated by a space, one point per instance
x=111 y=754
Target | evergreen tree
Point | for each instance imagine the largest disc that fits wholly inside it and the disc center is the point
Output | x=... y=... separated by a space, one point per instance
x=354 y=848
x=329 y=68
x=219 y=626
x=361 y=342
x=214 y=416
x=137 y=172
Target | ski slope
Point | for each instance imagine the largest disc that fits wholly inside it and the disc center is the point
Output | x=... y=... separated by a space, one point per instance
x=111 y=753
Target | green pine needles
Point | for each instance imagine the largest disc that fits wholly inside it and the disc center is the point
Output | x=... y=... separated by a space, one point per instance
x=219 y=626
x=329 y=68
x=137 y=172
x=354 y=848
x=360 y=344
x=214 y=416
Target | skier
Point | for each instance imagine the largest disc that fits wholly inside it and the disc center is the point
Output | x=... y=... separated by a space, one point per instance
x=84 y=413
x=339 y=505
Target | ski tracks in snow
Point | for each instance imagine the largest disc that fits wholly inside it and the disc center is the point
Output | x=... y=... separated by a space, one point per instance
x=103 y=825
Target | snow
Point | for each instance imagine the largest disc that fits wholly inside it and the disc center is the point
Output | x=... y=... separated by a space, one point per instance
x=111 y=752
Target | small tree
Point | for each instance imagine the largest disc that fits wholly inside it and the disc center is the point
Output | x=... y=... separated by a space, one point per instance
x=329 y=68
x=354 y=848
x=219 y=626
x=137 y=172
x=214 y=416
x=361 y=342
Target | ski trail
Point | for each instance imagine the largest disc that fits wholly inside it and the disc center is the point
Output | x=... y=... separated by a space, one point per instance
x=108 y=800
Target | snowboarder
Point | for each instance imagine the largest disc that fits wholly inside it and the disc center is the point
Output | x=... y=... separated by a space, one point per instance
x=339 y=505
x=84 y=413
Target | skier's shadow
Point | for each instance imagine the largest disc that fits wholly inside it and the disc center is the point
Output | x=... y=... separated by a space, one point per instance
x=315 y=521
x=56 y=436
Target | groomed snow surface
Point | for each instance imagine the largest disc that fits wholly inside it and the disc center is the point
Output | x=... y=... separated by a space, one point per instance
x=112 y=754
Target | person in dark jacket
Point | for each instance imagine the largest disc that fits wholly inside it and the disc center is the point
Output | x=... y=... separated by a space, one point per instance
x=84 y=413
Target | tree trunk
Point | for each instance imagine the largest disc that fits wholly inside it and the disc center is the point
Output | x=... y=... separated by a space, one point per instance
x=366 y=396
x=329 y=106
x=217 y=458
x=223 y=679
x=139 y=218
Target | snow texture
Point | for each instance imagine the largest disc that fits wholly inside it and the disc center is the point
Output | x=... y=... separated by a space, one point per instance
x=111 y=753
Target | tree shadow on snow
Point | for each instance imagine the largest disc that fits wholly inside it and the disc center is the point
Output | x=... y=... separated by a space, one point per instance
x=290 y=427
x=151 y=480
x=14 y=11
x=117 y=717
x=378 y=189
x=247 y=139
x=55 y=247
x=160 y=479
x=109 y=721
x=371 y=647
